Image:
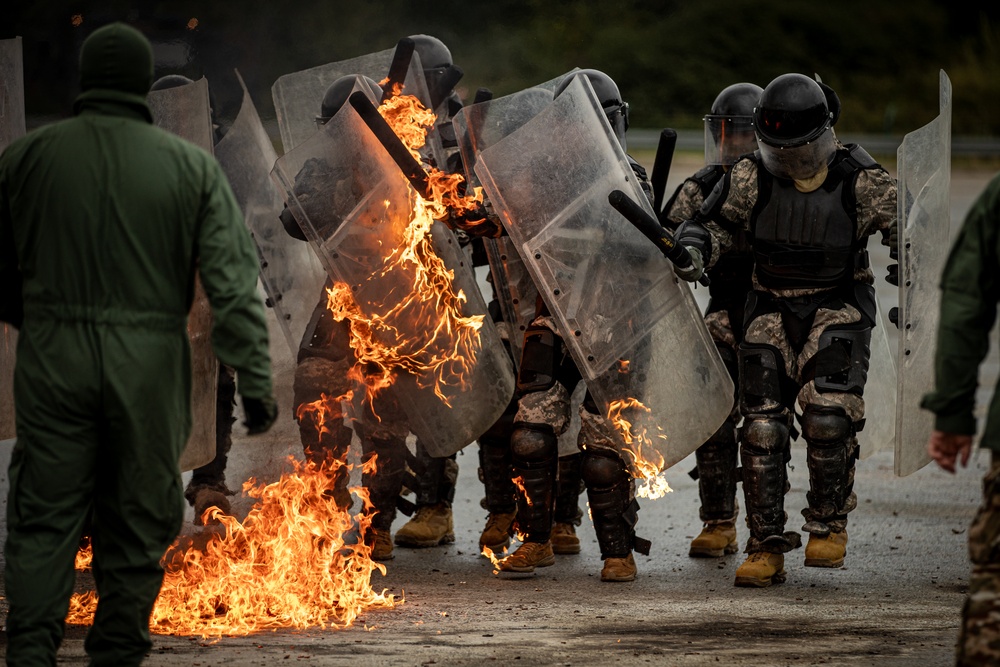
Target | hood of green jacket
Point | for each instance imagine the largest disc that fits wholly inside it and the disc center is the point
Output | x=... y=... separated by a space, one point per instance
x=116 y=57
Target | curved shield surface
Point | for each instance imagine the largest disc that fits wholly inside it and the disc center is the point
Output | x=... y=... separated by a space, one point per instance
x=11 y=128
x=924 y=172
x=634 y=331
x=186 y=112
x=298 y=95
x=356 y=208
x=880 y=392
x=290 y=272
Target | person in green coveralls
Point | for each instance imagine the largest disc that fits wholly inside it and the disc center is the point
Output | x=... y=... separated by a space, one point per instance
x=970 y=290
x=104 y=220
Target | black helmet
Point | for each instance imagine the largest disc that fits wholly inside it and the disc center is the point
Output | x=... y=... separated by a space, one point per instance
x=432 y=51
x=609 y=97
x=170 y=81
x=792 y=111
x=794 y=124
x=338 y=92
x=729 y=125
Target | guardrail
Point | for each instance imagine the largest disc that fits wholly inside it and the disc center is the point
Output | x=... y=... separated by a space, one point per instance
x=880 y=144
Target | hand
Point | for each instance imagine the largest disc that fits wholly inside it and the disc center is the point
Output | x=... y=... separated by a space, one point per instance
x=892 y=240
x=261 y=414
x=892 y=277
x=946 y=447
x=693 y=271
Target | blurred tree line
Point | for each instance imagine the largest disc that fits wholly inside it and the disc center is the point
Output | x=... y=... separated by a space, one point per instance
x=670 y=58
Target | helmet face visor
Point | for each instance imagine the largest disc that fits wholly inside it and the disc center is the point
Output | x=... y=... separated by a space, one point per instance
x=799 y=162
x=727 y=138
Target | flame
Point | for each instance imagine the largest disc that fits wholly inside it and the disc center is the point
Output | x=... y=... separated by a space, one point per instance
x=319 y=410
x=519 y=483
x=287 y=565
x=647 y=463
x=84 y=555
x=443 y=348
x=493 y=559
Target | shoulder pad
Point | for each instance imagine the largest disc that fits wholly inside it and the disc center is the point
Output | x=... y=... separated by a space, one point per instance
x=861 y=157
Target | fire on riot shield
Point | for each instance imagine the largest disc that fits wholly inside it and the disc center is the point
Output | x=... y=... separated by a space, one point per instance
x=11 y=128
x=924 y=173
x=635 y=333
x=185 y=111
x=418 y=322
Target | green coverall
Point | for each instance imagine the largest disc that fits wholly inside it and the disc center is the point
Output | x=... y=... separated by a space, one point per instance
x=104 y=220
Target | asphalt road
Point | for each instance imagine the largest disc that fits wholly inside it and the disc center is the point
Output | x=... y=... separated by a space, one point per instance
x=896 y=602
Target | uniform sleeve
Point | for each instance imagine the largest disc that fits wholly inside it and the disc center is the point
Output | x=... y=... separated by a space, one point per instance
x=11 y=295
x=228 y=267
x=684 y=204
x=875 y=192
x=970 y=290
x=729 y=206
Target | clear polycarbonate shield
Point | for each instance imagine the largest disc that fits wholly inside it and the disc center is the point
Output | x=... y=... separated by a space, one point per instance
x=186 y=112
x=634 y=331
x=290 y=272
x=478 y=127
x=924 y=175
x=361 y=218
x=298 y=95
x=879 y=432
x=11 y=128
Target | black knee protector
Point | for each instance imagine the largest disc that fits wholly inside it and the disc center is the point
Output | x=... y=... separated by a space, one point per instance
x=717 y=463
x=531 y=443
x=613 y=508
x=763 y=454
x=765 y=434
x=535 y=457
x=830 y=456
x=763 y=382
x=825 y=425
x=601 y=469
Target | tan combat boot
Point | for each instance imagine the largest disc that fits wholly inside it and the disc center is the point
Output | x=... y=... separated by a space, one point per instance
x=205 y=499
x=618 y=569
x=826 y=551
x=381 y=544
x=715 y=540
x=431 y=526
x=527 y=557
x=564 y=539
x=496 y=534
x=761 y=569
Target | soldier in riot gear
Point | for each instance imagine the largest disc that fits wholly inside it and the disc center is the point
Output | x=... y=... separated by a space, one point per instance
x=546 y=380
x=728 y=136
x=207 y=486
x=325 y=359
x=808 y=205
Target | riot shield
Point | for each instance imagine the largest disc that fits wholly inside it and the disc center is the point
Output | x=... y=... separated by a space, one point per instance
x=185 y=111
x=290 y=272
x=297 y=96
x=880 y=392
x=635 y=333
x=11 y=128
x=924 y=218
x=359 y=217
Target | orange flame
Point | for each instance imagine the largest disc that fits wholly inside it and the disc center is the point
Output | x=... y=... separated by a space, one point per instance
x=647 y=463
x=493 y=559
x=286 y=565
x=84 y=556
x=446 y=348
x=319 y=410
x=519 y=483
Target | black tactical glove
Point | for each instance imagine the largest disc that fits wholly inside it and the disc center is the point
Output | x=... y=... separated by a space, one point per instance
x=892 y=277
x=261 y=414
x=894 y=316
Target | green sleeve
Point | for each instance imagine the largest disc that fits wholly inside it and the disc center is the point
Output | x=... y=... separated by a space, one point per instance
x=969 y=294
x=227 y=263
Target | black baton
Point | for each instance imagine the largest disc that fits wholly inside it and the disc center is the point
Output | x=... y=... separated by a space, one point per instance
x=653 y=231
x=661 y=167
x=400 y=66
x=397 y=150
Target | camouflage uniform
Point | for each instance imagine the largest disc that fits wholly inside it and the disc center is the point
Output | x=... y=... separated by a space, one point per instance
x=979 y=642
x=792 y=347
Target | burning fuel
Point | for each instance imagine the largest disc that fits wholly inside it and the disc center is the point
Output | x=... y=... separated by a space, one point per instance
x=647 y=464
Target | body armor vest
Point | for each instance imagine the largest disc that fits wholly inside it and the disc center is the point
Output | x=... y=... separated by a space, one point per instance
x=808 y=240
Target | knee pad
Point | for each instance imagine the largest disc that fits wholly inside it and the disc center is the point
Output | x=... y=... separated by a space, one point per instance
x=762 y=377
x=825 y=425
x=533 y=445
x=765 y=434
x=841 y=363
x=602 y=471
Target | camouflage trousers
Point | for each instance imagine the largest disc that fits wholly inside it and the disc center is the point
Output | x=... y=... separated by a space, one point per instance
x=769 y=329
x=979 y=641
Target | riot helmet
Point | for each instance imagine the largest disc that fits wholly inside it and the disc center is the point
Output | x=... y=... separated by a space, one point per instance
x=609 y=98
x=794 y=127
x=170 y=81
x=440 y=71
x=729 y=125
x=339 y=91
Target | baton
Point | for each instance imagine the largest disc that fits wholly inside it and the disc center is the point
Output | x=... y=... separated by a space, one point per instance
x=452 y=75
x=661 y=167
x=398 y=151
x=653 y=231
x=400 y=66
